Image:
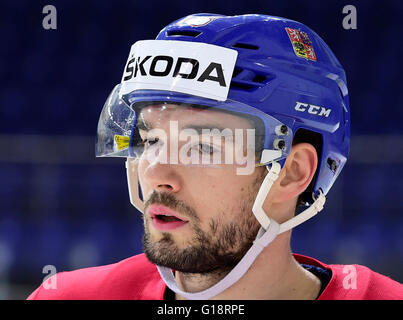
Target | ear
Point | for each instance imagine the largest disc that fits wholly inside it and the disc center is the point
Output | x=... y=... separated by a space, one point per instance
x=297 y=173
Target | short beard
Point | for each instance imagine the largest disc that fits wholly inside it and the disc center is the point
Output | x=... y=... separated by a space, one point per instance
x=216 y=251
x=206 y=253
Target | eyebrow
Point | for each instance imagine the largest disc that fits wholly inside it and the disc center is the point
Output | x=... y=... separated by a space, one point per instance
x=143 y=125
x=199 y=128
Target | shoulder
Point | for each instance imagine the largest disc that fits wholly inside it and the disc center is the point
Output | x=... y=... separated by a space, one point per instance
x=359 y=282
x=356 y=282
x=132 y=278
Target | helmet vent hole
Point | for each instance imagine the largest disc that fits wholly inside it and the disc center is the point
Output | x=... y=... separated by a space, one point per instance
x=245 y=46
x=236 y=72
x=242 y=86
x=183 y=33
x=259 y=78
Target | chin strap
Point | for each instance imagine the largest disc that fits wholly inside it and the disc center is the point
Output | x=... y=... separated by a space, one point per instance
x=267 y=233
x=262 y=217
x=237 y=273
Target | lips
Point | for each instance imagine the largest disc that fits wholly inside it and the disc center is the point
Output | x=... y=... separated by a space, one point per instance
x=164 y=219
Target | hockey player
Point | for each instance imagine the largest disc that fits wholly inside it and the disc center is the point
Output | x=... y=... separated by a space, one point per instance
x=234 y=129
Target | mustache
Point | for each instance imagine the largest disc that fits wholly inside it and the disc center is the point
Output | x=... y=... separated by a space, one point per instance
x=169 y=200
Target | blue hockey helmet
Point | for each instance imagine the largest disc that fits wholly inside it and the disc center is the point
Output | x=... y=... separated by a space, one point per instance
x=273 y=68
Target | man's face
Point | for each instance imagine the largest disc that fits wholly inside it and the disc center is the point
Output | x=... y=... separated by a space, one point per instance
x=197 y=218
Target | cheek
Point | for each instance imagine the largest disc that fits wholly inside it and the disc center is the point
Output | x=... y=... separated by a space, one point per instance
x=218 y=193
x=235 y=193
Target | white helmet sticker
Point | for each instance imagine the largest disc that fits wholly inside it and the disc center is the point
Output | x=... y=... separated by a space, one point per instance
x=196 y=21
x=195 y=68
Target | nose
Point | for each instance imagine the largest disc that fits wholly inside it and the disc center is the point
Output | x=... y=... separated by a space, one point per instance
x=162 y=177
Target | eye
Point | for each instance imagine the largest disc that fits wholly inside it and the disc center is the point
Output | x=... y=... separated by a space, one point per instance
x=205 y=148
x=149 y=142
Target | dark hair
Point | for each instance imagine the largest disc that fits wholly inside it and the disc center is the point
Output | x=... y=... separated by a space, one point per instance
x=316 y=140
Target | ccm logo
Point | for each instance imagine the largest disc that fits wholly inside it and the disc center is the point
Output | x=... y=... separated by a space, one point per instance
x=161 y=66
x=312 y=109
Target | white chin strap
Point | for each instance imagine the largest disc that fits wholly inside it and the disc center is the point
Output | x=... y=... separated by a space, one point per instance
x=267 y=233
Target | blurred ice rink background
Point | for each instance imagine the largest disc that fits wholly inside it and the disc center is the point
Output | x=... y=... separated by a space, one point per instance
x=61 y=206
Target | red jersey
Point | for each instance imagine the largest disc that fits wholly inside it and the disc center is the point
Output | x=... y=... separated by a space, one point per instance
x=136 y=278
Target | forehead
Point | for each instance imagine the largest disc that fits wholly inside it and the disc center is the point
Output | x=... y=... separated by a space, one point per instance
x=156 y=115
